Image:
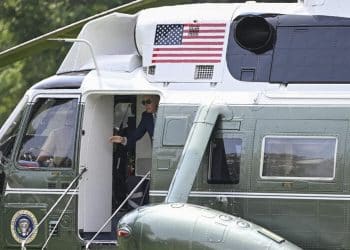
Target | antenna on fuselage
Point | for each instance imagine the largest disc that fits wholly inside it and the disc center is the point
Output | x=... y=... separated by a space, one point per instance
x=73 y=40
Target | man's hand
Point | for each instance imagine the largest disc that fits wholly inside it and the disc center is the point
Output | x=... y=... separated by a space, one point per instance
x=117 y=139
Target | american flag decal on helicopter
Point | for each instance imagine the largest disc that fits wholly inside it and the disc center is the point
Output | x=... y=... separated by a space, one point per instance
x=189 y=43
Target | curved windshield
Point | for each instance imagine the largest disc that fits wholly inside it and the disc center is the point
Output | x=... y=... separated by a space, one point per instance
x=50 y=134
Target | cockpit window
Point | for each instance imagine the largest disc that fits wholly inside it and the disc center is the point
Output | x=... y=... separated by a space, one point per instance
x=50 y=134
x=224 y=161
x=299 y=157
x=8 y=140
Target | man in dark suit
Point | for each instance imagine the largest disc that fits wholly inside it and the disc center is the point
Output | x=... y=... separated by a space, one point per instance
x=146 y=124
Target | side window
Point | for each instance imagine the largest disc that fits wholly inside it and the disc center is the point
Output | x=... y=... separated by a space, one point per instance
x=300 y=157
x=49 y=138
x=8 y=140
x=224 y=161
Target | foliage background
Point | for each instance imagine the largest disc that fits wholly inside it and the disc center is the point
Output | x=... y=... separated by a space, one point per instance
x=22 y=20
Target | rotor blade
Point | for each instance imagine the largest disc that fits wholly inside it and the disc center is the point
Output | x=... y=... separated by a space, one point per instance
x=71 y=31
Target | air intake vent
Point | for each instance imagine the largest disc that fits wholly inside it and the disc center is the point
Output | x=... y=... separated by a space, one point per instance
x=51 y=185
x=204 y=72
x=52 y=225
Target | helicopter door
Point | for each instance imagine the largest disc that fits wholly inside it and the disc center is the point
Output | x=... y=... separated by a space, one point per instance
x=95 y=192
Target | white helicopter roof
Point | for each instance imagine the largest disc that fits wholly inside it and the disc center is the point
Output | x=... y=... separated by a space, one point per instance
x=121 y=42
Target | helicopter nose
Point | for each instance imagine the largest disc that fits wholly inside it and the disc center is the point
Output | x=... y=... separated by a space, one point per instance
x=125 y=225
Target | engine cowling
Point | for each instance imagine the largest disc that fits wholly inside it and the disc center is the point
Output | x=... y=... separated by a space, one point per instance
x=184 y=226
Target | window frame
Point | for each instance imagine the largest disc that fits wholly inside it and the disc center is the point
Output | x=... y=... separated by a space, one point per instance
x=298 y=178
x=27 y=120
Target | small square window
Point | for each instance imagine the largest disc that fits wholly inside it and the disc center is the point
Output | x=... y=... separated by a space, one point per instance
x=224 y=161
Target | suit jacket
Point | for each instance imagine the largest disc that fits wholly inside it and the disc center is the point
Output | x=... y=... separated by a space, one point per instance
x=146 y=125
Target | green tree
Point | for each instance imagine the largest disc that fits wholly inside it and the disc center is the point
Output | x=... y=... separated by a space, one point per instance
x=11 y=89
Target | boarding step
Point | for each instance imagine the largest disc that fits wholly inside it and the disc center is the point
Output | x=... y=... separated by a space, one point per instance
x=103 y=244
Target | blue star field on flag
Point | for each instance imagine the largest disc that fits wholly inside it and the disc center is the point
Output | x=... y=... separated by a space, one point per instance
x=168 y=34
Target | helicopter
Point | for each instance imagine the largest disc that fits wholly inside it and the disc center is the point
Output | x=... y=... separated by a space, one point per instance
x=250 y=144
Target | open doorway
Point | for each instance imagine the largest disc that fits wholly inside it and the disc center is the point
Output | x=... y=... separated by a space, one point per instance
x=114 y=169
